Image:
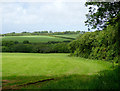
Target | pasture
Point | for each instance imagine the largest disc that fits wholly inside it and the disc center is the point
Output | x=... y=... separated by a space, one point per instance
x=50 y=71
x=33 y=39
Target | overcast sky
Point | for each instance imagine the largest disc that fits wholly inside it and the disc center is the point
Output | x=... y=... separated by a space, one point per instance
x=40 y=16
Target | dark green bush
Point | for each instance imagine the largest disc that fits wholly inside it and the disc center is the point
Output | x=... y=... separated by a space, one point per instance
x=26 y=48
x=26 y=42
x=5 y=49
x=16 y=42
x=60 y=48
x=7 y=43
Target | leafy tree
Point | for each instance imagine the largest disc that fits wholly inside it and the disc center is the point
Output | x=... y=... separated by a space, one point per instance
x=5 y=49
x=43 y=31
x=25 y=48
x=24 y=32
x=50 y=32
x=106 y=13
x=16 y=42
x=7 y=43
x=26 y=42
x=103 y=14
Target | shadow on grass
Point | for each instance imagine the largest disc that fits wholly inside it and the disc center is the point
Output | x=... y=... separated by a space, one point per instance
x=108 y=79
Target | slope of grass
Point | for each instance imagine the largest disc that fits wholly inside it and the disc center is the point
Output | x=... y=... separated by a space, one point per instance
x=22 y=68
x=32 y=39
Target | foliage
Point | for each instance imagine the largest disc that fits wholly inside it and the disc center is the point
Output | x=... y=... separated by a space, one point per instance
x=42 y=33
x=26 y=42
x=97 y=45
x=36 y=44
x=26 y=47
x=5 y=49
x=61 y=48
x=106 y=16
x=103 y=15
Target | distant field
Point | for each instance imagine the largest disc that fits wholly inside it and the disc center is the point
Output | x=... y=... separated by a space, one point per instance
x=68 y=72
x=69 y=35
x=32 y=39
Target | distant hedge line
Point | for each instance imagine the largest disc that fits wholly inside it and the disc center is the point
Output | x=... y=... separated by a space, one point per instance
x=26 y=47
x=42 y=33
x=98 y=45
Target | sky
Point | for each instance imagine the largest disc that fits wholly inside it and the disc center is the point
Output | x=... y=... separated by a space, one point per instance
x=43 y=16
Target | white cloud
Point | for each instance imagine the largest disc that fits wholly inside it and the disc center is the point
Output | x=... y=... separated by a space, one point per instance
x=58 y=13
x=17 y=14
x=42 y=0
x=47 y=13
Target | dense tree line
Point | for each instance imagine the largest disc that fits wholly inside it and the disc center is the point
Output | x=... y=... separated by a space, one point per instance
x=42 y=33
x=27 y=47
x=98 y=45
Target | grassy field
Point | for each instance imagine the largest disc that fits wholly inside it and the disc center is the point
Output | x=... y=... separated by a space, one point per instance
x=33 y=39
x=51 y=71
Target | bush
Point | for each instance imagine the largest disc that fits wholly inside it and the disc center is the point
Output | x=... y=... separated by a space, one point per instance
x=60 y=48
x=42 y=48
x=5 y=49
x=26 y=42
x=16 y=42
x=7 y=43
x=26 y=48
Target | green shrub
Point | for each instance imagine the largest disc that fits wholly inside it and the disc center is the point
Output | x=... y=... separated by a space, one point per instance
x=5 y=49
x=26 y=48
x=26 y=42
x=7 y=43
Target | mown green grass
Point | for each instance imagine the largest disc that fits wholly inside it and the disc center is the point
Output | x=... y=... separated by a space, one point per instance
x=70 y=72
x=33 y=39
